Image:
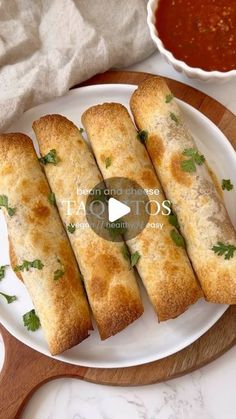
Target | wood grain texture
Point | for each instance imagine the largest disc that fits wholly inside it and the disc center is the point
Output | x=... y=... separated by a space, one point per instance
x=25 y=370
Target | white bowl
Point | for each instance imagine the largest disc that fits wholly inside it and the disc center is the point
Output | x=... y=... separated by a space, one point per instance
x=181 y=66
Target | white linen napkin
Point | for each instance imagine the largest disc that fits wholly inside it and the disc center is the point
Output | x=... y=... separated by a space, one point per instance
x=47 y=46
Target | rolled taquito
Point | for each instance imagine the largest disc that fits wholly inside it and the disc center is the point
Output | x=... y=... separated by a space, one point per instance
x=163 y=266
x=39 y=248
x=182 y=170
x=110 y=284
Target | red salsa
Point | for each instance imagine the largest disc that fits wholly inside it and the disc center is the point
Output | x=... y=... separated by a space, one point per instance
x=202 y=33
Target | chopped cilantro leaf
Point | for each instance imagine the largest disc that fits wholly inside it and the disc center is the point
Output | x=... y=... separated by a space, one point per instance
x=26 y=265
x=2 y=271
x=58 y=274
x=4 y=203
x=31 y=321
x=8 y=298
x=125 y=252
x=135 y=258
x=107 y=162
x=71 y=228
x=52 y=198
x=227 y=185
x=51 y=157
x=142 y=136
x=224 y=249
x=196 y=158
x=174 y=118
x=177 y=238
x=169 y=98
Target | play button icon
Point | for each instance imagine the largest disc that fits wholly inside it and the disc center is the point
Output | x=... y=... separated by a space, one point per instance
x=117 y=209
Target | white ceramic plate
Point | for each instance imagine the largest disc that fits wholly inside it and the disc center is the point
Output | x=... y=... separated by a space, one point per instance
x=145 y=340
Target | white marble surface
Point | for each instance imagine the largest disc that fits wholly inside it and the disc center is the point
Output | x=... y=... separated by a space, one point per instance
x=208 y=393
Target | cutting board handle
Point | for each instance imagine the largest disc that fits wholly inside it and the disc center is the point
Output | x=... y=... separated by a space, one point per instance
x=24 y=371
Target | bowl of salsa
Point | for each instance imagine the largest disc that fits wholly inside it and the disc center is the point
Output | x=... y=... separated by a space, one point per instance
x=198 y=37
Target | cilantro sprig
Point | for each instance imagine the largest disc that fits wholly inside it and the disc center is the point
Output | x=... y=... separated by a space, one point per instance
x=51 y=157
x=52 y=198
x=131 y=258
x=224 y=249
x=227 y=185
x=174 y=118
x=173 y=220
x=59 y=272
x=107 y=162
x=4 y=203
x=9 y=298
x=31 y=321
x=172 y=217
x=142 y=136
x=26 y=265
x=135 y=258
x=177 y=238
x=71 y=228
x=195 y=158
x=169 y=98
x=125 y=252
x=3 y=271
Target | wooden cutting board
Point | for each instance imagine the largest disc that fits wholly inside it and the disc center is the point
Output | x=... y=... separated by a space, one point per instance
x=25 y=370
